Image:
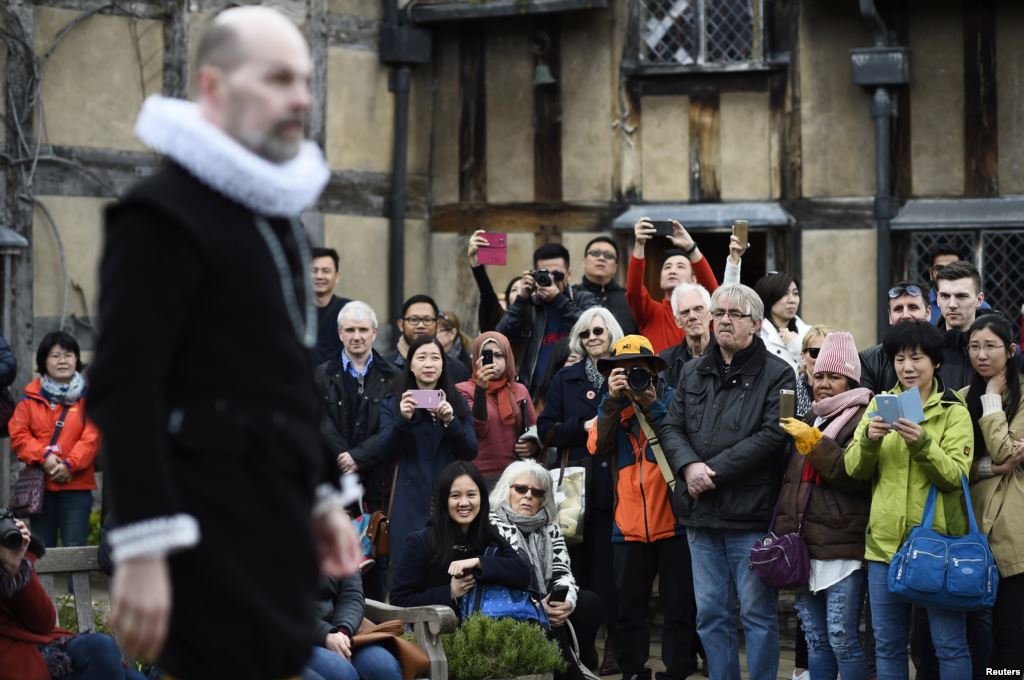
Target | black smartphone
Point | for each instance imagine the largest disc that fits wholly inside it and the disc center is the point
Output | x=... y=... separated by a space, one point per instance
x=662 y=227
x=558 y=594
x=488 y=356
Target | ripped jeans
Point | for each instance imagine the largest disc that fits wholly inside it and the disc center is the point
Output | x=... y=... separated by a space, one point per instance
x=831 y=622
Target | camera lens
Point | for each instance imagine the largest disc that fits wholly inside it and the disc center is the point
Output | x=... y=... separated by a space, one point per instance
x=10 y=536
x=639 y=379
x=542 y=277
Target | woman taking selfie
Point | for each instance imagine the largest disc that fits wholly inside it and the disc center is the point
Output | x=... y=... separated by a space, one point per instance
x=446 y=560
x=903 y=460
x=997 y=411
x=424 y=425
x=501 y=407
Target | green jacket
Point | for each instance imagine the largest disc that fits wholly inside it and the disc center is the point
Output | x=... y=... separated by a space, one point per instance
x=902 y=476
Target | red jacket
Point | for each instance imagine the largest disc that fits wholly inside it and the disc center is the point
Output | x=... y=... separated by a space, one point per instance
x=32 y=426
x=656 y=320
x=26 y=621
x=496 y=441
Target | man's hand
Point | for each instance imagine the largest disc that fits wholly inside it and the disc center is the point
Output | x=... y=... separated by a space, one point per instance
x=736 y=249
x=643 y=231
x=528 y=286
x=681 y=238
x=337 y=544
x=877 y=429
x=698 y=478
x=140 y=606
x=340 y=644
x=557 y=612
x=618 y=385
x=10 y=559
x=645 y=398
x=346 y=463
x=407 y=407
x=526 y=448
x=548 y=293
x=476 y=242
x=909 y=430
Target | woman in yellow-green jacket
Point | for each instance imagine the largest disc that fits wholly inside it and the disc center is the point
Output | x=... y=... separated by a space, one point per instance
x=904 y=460
x=997 y=491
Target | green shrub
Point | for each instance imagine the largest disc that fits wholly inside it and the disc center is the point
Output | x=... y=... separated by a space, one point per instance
x=94 y=528
x=484 y=648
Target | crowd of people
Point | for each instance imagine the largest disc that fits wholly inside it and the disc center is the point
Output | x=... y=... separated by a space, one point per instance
x=702 y=414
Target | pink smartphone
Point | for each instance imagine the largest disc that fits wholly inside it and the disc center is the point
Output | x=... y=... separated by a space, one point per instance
x=495 y=252
x=427 y=398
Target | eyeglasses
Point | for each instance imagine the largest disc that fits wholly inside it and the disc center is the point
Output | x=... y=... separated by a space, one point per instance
x=813 y=351
x=521 y=489
x=899 y=291
x=733 y=314
x=585 y=335
x=987 y=349
x=420 y=320
x=603 y=254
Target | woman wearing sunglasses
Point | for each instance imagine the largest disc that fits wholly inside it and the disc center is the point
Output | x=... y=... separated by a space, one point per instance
x=568 y=415
x=523 y=510
x=809 y=349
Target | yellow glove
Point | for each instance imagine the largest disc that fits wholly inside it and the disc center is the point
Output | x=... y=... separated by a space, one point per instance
x=805 y=436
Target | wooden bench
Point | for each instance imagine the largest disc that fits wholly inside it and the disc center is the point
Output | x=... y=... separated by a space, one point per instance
x=428 y=623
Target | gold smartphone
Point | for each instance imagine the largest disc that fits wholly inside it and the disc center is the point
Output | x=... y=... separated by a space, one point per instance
x=787 y=404
x=741 y=230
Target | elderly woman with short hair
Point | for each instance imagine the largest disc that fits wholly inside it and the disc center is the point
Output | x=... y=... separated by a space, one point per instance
x=524 y=512
x=569 y=413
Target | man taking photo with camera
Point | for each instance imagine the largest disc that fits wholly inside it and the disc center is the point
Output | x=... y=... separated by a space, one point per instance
x=543 y=313
x=647 y=540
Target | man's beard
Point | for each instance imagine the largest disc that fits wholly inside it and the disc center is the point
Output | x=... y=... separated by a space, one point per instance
x=274 y=146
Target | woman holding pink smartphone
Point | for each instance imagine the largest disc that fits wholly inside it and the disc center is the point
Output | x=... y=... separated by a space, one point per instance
x=425 y=424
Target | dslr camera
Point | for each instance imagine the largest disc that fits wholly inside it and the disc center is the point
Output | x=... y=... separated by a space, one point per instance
x=545 y=278
x=639 y=378
x=10 y=535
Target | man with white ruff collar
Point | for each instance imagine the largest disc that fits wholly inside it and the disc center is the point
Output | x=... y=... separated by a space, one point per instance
x=203 y=373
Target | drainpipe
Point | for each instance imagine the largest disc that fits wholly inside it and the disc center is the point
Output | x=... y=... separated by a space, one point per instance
x=881 y=68
x=402 y=46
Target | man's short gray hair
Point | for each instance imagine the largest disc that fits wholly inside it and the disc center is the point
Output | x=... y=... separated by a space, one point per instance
x=586 y=318
x=684 y=288
x=743 y=295
x=357 y=310
x=540 y=477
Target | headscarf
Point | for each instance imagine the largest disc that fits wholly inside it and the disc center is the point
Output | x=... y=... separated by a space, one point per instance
x=501 y=389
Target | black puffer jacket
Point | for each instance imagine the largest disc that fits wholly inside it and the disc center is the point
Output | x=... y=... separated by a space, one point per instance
x=339 y=607
x=876 y=370
x=732 y=424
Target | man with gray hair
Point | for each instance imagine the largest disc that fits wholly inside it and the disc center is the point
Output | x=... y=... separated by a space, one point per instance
x=691 y=304
x=722 y=436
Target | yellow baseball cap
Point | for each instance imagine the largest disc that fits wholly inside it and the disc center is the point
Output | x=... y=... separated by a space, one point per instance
x=632 y=347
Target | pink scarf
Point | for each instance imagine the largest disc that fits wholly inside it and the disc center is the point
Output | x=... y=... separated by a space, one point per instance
x=841 y=409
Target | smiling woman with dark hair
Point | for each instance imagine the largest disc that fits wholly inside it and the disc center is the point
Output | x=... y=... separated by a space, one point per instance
x=784 y=331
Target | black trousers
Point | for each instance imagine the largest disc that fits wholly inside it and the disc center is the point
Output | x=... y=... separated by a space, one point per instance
x=1008 y=625
x=636 y=565
x=585 y=620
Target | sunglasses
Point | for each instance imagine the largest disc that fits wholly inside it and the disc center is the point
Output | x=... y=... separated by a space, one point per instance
x=897 y=291
x=598 y=332
x=602 y=254
x=813 y=351
x=521 y=489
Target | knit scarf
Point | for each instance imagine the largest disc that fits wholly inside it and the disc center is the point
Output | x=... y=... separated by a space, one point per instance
x=593 y=375
x=499 y=390
x=536 y=541
x=58 y=393
x=838 y=410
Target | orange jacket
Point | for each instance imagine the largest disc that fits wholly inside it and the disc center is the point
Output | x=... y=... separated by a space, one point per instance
x=643 y=511
x=32 y=426
x=656 y=320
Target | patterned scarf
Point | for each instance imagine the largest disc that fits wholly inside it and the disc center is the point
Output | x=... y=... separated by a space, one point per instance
x=536 y=541
x=57 y=393
x=593 y=375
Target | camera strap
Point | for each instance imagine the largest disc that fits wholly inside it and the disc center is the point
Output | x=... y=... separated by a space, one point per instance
x=655 y=444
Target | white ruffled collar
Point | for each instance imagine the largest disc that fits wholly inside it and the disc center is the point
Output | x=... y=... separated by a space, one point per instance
x=176 y=129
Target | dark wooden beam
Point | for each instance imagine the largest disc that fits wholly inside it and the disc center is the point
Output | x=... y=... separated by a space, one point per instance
x=175 y=82
x=316 y=36
x=524 y=217
x=140 y=9
x=547 y=113
x=424 y=13
x=784 y=95
x=981 y=106
x=472 y=116
x=705 y=148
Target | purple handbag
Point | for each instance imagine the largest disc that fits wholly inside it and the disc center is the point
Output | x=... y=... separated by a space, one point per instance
x=783 y=561
x=31 y=485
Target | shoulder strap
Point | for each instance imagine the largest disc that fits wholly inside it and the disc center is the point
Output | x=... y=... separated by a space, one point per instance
x=394 y=483
x=60 y=424
x=655 y=444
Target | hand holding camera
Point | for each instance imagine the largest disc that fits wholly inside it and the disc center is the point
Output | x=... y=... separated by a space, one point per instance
x=543 y=283
x=14 y=538
x=636 y=383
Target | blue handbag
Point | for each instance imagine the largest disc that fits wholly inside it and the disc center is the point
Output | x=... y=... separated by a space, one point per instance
x=949 y=572
x=499 y=602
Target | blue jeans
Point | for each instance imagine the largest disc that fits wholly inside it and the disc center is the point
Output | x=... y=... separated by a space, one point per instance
x=95 y=656
x=372 y=662
x=890 y=617
x=68 y=511
x=721 y=572
x=831 y=622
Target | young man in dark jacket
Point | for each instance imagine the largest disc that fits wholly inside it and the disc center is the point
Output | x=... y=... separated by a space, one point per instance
x=722 y=437
x=543 y=313
x=600 y=263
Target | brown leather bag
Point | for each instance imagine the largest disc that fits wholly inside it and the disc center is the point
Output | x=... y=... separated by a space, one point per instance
x=413 y=660
x=379 y=533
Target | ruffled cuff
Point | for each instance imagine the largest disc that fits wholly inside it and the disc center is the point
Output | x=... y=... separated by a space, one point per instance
x=991 y=403
x=9 y=584
x=155 y=537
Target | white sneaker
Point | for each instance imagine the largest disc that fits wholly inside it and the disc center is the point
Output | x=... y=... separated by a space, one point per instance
x=803 y=675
